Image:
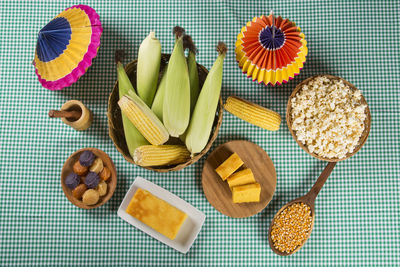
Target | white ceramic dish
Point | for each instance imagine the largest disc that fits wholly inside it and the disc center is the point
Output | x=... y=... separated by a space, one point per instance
x=190 y=228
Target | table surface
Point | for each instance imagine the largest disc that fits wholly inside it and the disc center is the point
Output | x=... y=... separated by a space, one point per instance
x=357 y=211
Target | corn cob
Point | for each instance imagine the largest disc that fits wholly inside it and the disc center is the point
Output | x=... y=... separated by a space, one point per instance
x=161 y=155
x=193 y=72
x=148 y=68
x=203 y=115
x=133 y=137
x=157 y=106
x=252 y=113
x=176 y=106
x=143 y=118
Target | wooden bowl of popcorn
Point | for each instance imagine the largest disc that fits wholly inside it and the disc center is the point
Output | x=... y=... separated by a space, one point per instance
x=328 y=117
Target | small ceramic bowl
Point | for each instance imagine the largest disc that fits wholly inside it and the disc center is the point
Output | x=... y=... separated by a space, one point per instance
x=116 y=130
x=367 y=123
x=111 y=182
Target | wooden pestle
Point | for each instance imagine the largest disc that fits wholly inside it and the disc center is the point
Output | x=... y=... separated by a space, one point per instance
x=72 y=115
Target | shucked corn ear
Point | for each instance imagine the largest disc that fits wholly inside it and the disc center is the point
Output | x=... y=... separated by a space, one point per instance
x=143 y=118
x=148 y=68
x=161 y=155
x=176 y=106
x=133 y=137
x=193 y=72
x=252 y=113
x=157 y=106
x=203 y=115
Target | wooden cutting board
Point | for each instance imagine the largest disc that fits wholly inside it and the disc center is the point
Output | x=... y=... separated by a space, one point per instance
x=217 y=191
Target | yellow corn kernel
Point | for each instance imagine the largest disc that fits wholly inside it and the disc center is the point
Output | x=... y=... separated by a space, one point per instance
x=246 y=193
x=144 y=119
x=229 y=166
x=252 y=113
x=160 y=155
x=240 y=178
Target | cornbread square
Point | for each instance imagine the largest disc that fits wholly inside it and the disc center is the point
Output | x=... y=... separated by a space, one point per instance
x=241 y=177
x=156 y=213
x=229 y=166
x=246 y=193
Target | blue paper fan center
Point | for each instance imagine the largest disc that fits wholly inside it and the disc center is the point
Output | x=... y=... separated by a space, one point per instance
x=53 y=39
x=270 y=40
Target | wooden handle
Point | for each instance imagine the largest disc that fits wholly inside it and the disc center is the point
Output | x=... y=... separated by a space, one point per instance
x=73 y=115
x=312 y=194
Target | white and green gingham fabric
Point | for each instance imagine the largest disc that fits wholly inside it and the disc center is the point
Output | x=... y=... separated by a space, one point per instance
x=358 y=210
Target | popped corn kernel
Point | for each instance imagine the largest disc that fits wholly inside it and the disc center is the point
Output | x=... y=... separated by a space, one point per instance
x=328 y=117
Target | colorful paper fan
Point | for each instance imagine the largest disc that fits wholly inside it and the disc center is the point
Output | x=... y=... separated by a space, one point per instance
x=66 y=46
x=271 y=49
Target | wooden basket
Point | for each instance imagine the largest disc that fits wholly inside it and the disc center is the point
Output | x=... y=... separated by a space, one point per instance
x=363 y=137
x=115 y=126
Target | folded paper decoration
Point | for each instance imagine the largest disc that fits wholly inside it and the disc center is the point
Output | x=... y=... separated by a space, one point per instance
x=271 y=49
x=66 y=46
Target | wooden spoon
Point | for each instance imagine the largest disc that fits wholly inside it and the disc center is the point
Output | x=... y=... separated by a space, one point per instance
x=308 y=199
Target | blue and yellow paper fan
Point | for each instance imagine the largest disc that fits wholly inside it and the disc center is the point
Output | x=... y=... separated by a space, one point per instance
x=271 y=50
x=66 y=46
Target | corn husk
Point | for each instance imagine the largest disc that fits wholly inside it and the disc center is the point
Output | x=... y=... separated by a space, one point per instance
x=133 y=137
x=203 y=115
x=176 y=106
x=157 y=106
x=193 y=72
x=148 y=68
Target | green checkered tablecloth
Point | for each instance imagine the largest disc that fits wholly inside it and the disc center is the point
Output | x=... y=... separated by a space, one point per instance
x=358 y=213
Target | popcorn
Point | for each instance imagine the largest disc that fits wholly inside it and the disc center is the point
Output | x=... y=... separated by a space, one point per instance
x=328 y=117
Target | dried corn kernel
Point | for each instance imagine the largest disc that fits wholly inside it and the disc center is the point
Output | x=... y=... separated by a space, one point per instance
x=291 y=227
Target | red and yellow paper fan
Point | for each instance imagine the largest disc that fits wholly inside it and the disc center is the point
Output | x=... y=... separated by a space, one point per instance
x=271 y=49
